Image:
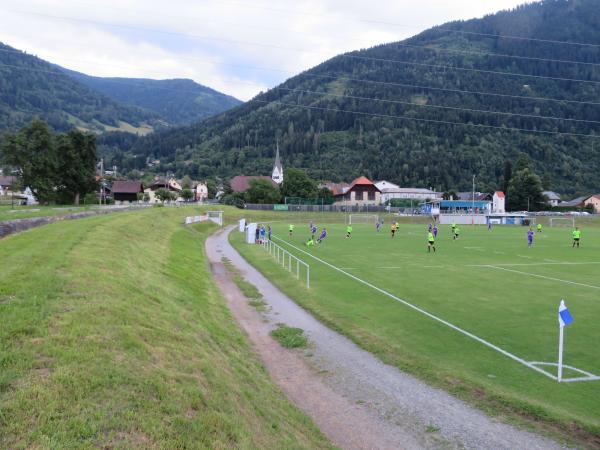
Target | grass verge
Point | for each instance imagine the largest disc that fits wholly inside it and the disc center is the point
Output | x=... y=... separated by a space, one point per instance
x=114 y=335
x=290 y=337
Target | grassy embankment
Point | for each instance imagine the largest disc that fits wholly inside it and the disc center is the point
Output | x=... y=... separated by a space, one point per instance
x=515 y=309
x=113 y=335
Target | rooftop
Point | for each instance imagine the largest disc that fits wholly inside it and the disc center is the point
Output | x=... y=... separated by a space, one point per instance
x=241 y=183
x=127 y=187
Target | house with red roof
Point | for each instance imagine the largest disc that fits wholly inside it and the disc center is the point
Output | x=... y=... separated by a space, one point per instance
x=241 y=183
x=361 y=191
x=593 y=200
x=498 y=200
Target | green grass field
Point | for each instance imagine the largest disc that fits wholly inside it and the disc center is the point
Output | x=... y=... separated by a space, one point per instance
x=487 y=283
x=113 y=335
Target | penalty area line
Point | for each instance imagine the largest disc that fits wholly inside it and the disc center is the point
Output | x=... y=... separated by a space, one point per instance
x=542 y=276
x=424 y=312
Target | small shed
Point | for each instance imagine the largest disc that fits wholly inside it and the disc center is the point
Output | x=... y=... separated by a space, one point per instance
x=126 y=191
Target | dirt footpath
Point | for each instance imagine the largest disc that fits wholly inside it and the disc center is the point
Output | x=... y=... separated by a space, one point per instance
x=355 y=399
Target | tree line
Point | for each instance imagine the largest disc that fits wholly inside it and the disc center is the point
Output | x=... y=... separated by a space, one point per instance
x=57 y=167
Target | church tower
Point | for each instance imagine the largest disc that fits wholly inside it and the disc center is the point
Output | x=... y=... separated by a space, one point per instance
x=277 y=175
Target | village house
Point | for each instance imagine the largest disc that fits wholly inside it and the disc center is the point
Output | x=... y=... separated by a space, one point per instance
x=126 y=191
x=361 y=192
x=593 y=200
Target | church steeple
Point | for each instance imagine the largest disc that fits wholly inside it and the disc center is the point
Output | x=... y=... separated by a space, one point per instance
x=277 y=175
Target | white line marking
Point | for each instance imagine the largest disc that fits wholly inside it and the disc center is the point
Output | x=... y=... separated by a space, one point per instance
x=428 y=314
x=536 y=264
x=523 y=256
x=390 y=267
x=499 y=253
x=543 y=276
x=348 y=268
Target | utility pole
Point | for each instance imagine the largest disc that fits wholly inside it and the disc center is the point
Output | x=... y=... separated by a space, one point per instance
x=473 y=203
x=101 y=180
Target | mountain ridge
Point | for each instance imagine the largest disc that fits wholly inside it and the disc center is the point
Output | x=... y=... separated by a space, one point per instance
x=449 y=69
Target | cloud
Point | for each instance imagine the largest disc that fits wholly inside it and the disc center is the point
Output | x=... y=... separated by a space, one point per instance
x=235 y=46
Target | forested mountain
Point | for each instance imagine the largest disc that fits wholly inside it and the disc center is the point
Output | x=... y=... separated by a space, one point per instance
x=179 y=101
x=31 y=87
x=378 y=111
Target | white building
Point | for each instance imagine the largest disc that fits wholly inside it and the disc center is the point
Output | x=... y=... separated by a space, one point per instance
x=277 y=175
x=553 y=198
x=391 y=191
x=498 y=206
x=201 y=192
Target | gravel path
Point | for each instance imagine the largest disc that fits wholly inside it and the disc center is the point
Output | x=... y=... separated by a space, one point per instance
x=357 y=401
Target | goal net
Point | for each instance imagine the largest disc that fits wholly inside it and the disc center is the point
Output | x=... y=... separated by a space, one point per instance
x=215 y=216
x=562 y=222
x=354 y=219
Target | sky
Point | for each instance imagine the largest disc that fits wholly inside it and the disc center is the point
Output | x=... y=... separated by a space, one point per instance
x=238 y=47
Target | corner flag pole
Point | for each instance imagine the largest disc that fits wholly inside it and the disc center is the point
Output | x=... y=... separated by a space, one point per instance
x=560 y=352
x=564 y=319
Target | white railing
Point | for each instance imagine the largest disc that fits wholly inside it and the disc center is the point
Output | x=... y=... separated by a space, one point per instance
x=285 y=258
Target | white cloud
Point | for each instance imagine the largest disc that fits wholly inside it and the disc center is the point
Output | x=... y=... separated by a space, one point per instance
x=221 y=44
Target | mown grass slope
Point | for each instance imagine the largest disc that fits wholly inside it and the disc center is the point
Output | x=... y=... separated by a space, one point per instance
x=113 y=335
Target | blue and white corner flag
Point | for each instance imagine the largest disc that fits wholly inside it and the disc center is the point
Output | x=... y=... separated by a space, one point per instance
x=564 y=316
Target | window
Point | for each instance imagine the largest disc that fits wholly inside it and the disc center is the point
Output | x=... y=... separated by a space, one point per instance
x=371 y=195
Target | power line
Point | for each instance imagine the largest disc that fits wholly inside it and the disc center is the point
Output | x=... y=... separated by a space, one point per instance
x=442 y=122
x=259 y=44
x=469 y=69
x=454 y=108
x=395 y=24
x=342 y=77
x=400 y=44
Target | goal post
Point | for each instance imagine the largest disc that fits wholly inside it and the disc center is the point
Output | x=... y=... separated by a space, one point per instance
x=562 y=221
x=354 y=219
x=215 y=216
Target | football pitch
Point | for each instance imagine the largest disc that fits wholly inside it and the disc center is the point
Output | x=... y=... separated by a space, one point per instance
x=477 y=317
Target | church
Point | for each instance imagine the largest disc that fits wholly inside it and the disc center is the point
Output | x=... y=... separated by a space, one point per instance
x=241 y=183
x=277 y=175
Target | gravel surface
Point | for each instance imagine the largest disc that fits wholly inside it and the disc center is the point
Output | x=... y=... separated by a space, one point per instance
x=357 y=401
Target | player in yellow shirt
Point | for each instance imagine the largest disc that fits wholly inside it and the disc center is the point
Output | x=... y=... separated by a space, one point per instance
x=576 y=237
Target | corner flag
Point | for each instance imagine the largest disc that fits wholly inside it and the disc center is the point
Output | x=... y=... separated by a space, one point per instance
x=564 y=316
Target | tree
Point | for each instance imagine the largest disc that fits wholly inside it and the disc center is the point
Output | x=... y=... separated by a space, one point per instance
x=187 y=194
x=507 y=176
x=450 y=195
x=186 y=183
x=326 y=194
x=76 y=154
x=297 y=184
x=163 y=194
x=525 y=192
x=32 y=152
x=262 y=191
x=211 y=185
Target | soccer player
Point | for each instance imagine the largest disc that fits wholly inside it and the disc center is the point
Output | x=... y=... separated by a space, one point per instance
x=530 y=238
x=291 y=229
x=313 y=230
x=489 y=225
x=435 y=231
x=323 y=235
x=453 y=228
x=430 y=242
x=310 y=242
x=348 y=231
x=539 y=227
x=576 y=237
x=262 y=234
x=430 y=228
x=269 y=231
x=393 y=227
x=456 y=231
x=378 y=225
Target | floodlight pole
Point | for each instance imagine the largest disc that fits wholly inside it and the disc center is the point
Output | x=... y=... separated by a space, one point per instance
x=560 y=352
x=473 y=203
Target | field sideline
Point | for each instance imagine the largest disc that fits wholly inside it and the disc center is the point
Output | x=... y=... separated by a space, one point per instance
x=487 y=283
